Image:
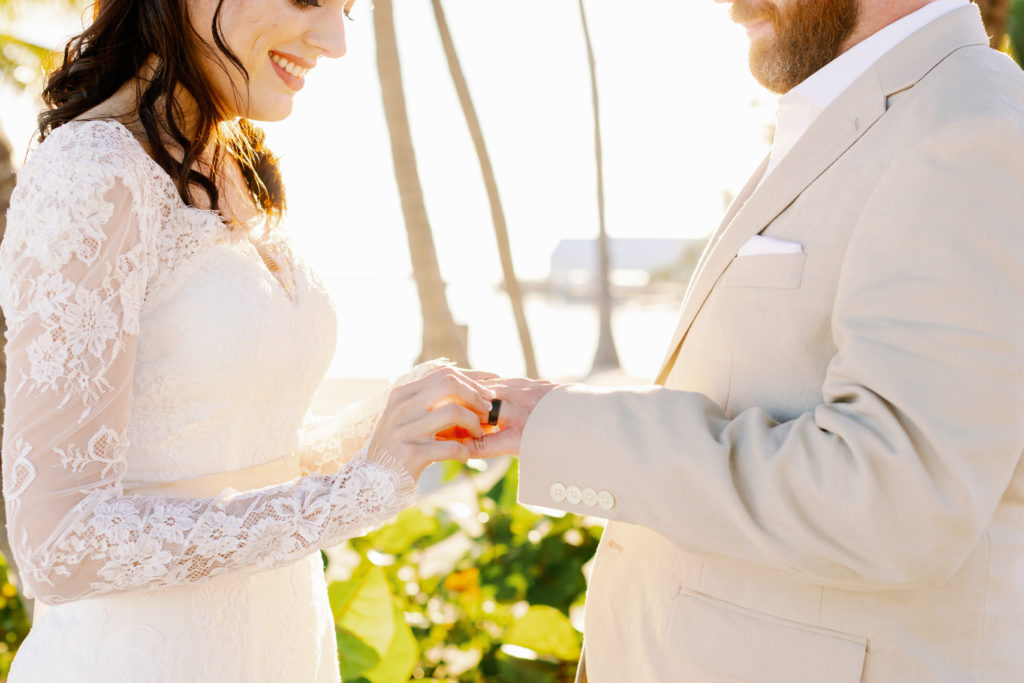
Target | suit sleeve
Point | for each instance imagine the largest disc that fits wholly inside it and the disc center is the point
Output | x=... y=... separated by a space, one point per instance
x=892 y=479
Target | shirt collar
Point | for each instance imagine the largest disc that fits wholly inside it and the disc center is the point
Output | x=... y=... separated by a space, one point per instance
x=826 y=84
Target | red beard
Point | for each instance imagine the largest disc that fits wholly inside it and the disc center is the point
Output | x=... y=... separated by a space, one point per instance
x=807 y=35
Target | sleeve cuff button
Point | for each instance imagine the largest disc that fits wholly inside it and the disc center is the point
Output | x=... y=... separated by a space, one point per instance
x=574 y=495
x=557 y=492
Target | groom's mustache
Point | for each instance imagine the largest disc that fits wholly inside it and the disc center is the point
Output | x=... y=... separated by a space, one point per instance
x=744 y=11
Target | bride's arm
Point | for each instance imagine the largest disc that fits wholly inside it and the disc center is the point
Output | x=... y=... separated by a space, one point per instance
x=72 y=292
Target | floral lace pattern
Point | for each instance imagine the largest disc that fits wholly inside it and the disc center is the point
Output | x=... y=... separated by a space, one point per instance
x=95 y=273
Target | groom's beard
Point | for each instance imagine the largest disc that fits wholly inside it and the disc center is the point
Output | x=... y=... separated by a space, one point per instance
x=807 y=35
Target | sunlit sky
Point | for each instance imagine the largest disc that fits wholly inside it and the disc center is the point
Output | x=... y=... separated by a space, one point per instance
x=682 y=120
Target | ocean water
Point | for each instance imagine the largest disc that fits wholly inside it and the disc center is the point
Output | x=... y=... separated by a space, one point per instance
x=379 y=328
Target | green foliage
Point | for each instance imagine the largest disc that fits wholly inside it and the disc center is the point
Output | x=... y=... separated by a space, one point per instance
x=471 y=589
x=546 y=631
x=14 y=620
x=1015 y=30
x=22 y=62
x=485 y=585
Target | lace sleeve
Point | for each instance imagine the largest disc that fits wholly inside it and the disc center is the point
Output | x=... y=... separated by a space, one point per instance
x=327 y=443
x=73 y=274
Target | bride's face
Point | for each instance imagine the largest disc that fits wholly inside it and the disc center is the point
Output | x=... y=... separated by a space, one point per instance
x=276 y=41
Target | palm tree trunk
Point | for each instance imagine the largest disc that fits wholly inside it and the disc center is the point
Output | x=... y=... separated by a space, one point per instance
x=441 y=336
x=606 y=357
x=995 y=14
x=490 y=183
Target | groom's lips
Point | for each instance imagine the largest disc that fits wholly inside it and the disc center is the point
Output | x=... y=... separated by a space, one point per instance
x=755 y=29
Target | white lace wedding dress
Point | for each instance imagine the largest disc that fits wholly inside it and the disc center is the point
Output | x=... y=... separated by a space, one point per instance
x=149 y=344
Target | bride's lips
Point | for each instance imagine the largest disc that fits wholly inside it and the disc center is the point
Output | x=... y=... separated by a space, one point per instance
x=290 y=68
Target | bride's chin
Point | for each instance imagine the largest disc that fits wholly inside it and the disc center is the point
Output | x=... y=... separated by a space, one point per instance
x=278 y=111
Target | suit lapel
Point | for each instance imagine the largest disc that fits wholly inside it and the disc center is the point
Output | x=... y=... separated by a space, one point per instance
x=835 y=131
x=831 y=135
x=734 y=208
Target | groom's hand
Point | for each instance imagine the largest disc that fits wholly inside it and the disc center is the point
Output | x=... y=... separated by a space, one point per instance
x=518 y=399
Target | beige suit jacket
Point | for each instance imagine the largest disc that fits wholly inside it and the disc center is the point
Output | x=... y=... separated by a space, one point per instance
x=828 y=485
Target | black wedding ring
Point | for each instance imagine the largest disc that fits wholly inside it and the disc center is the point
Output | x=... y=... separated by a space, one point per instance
x=492 y=417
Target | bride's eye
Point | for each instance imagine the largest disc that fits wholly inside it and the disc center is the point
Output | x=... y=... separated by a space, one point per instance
x=307 y=3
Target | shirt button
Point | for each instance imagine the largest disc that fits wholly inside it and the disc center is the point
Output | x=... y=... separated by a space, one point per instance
x=589 y=497
x=606 y=500
x=557 y=492
x=573 y=495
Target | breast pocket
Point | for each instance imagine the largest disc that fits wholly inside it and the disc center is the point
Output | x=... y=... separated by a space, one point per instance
x=768 y=271
x=718 y=640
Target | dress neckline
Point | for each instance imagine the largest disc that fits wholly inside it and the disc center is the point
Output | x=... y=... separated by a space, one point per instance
x=273 y=257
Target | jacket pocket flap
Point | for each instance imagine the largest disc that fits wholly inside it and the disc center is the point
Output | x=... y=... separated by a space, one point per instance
x=772 y=271
x=719 y=639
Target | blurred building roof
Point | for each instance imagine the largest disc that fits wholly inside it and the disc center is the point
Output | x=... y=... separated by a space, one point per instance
x=625 y=254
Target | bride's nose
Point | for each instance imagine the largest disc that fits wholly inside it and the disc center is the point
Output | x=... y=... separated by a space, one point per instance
x=328 y=35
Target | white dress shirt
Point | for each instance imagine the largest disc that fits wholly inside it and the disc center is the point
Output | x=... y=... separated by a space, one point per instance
x=799 y=108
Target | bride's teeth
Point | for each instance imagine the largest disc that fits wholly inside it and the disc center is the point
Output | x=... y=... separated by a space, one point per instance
x=289 y=66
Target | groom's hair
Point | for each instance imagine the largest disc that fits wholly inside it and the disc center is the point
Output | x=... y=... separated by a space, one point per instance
x=113 y=50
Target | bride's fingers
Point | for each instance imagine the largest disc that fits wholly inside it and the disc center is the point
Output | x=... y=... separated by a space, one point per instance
x=447 y=417
x=479 y=375
x=453 y=388
x=407 y=402
x=443 y=383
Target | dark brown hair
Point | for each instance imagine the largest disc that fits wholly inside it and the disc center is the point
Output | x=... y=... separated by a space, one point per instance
x=113 y=50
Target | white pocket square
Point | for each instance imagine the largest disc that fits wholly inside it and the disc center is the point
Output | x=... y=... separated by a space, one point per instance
x=760 y=244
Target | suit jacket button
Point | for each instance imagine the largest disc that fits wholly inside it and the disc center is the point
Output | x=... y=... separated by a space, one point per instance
x=606 y=500
x=573 y=495
x=589 y=497
x=557 y=492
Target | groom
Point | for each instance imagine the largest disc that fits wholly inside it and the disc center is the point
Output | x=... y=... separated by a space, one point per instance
x=826 y=482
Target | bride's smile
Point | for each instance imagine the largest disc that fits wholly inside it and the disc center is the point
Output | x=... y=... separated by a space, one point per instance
x=271 y=45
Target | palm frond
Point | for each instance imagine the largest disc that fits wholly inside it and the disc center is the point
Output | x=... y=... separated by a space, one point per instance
x=21 y=62
x=10 y=8
x=38 y=51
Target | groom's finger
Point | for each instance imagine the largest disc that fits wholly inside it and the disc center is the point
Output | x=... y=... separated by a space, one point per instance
x=449 y=450
x=497 y=444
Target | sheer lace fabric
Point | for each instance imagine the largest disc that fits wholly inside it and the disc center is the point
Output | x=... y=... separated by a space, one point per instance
x=147 y=343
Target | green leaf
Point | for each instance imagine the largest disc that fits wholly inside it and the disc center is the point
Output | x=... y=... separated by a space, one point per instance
x=514 y=670
x=396 y=666
x=546 y=631
x=410 y=526
x=354 y=656
x=505 y=490
x=363 y=606
x=451 y=470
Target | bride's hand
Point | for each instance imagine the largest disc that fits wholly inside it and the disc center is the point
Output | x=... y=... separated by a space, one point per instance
x=445 y=400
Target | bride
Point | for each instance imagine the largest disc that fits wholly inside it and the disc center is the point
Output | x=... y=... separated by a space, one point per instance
x=166 y=498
